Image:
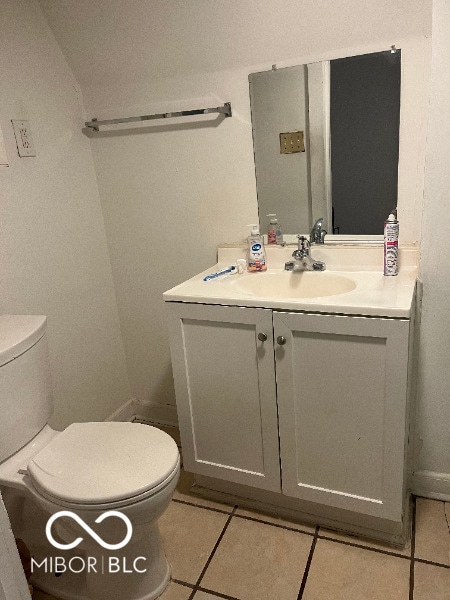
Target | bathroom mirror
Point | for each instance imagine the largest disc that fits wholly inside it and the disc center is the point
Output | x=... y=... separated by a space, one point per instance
x=326 y=138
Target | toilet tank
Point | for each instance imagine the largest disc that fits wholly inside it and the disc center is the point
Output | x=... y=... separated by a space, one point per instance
x=25 y=383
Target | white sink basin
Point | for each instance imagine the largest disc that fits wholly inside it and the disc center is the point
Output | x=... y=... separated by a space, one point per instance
x=353 y=283
x=289 y=284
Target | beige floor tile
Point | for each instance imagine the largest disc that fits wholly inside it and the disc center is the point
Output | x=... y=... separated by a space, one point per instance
x=39 y=595
x=353 y=539
x=189 y=534
x=174 y=591
x=263 y=516
x=431 y=583
x=255 y=561
x=341 y=572
x=183 y=493
x=432 y=531
x=205 y=596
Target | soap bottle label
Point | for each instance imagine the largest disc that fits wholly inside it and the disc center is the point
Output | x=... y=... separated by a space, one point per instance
x=257 y=258
x=272 y=236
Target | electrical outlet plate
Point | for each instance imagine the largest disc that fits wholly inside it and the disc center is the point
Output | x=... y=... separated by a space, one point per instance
x=24 y=141
x=291 y=142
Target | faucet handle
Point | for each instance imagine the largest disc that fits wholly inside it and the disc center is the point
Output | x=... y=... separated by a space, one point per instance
x=303 y=243
x=318 y=223
x=317 y=234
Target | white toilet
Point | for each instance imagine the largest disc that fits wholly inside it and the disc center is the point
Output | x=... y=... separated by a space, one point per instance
x=86 y=470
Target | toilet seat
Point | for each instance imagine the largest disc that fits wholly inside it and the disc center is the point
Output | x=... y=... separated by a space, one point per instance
x=98 y=465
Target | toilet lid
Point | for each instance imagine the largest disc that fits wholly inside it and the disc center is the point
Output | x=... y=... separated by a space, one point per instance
x=99 y=463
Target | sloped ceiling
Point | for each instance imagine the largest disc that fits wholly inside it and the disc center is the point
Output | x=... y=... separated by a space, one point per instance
x=106 y=41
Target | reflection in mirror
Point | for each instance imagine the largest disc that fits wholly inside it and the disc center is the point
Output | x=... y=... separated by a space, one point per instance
x=325 y=139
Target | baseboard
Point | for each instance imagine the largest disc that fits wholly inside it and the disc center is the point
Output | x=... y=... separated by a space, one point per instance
x=431 y=485
x=125 y=412
x=164 y=414
x=375 y=528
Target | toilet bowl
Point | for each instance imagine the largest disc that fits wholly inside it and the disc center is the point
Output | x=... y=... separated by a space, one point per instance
x=85 y=500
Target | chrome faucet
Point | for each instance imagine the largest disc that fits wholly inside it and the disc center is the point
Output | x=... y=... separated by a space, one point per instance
x=303 y=261
x=317 y=235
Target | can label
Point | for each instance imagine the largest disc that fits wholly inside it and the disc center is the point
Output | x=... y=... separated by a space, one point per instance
x=391 y=248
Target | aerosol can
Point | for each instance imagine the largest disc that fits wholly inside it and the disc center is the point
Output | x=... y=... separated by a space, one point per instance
x=391 y=245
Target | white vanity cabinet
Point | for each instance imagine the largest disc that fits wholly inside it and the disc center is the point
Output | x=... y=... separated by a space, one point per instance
x=324 y=396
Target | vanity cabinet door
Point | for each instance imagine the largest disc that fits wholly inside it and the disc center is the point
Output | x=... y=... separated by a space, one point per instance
x=226 y=395
x=342 y=391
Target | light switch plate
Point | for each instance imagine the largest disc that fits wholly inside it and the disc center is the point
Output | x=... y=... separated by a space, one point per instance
x=291 y=142
x=24 y=141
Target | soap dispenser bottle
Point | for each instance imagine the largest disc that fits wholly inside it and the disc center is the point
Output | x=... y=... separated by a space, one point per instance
x=256 y=255
x=274 y=235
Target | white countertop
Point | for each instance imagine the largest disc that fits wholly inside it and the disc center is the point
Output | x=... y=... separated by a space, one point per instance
x=373 y=294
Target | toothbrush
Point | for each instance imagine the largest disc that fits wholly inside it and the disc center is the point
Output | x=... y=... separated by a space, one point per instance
x=219 y=273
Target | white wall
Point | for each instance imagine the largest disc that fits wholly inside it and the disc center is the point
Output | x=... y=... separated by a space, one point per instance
x=131 y=55
x=53 y=252
x=170 y=192
x=433 y=417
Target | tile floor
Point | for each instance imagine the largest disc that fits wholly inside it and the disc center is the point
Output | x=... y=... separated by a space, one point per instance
x=220 y=551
